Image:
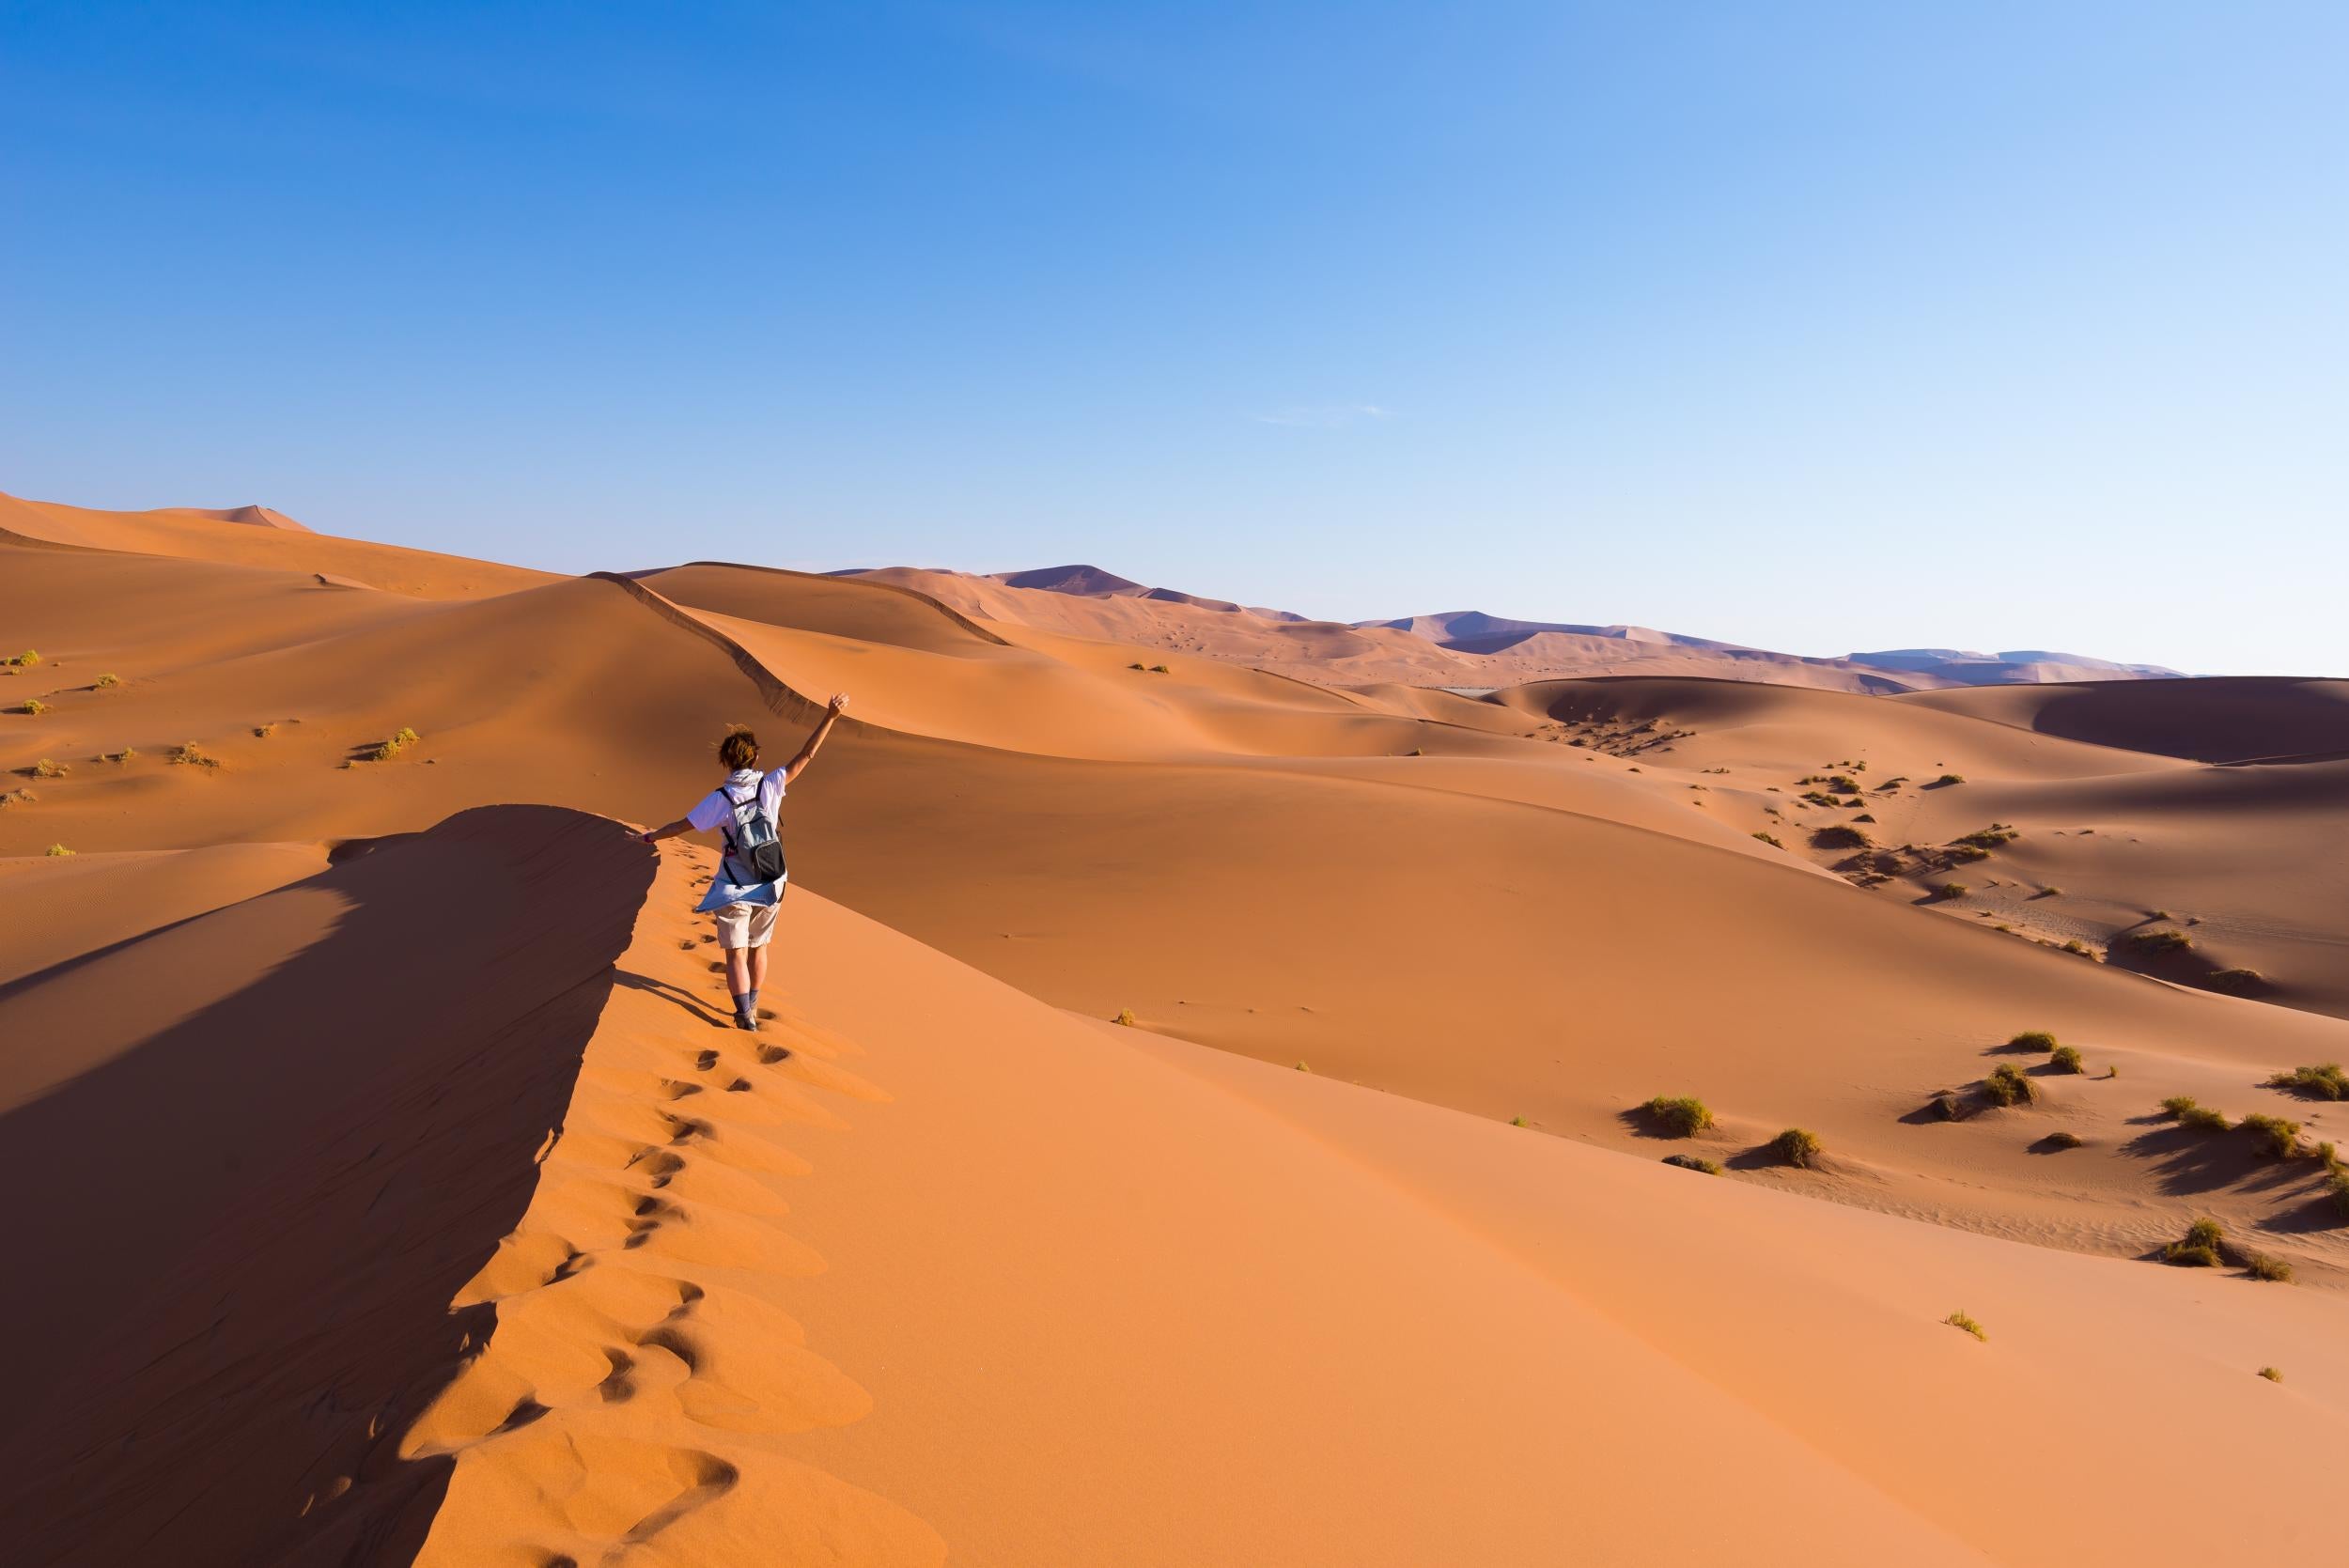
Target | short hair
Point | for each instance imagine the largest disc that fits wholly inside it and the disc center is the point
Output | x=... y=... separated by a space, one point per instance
x=740 y=749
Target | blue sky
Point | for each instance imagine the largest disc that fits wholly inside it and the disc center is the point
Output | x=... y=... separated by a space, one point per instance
x=1810 y=326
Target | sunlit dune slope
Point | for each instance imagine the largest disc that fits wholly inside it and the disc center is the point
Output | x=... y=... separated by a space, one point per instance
x=233 y=537
x=269 y=1145
x=2210 y=720
x=67 y=905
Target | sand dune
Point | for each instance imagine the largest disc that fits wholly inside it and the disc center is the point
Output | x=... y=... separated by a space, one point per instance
x=2229 y=720
x=933 y=1270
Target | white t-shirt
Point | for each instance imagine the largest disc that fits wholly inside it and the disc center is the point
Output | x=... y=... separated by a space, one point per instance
x=716 y=810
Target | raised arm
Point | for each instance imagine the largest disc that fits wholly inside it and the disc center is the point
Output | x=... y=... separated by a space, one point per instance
x=667 y=829
x=823 y=727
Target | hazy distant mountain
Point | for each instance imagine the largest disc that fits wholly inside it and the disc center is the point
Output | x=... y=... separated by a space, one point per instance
x=2013 y=667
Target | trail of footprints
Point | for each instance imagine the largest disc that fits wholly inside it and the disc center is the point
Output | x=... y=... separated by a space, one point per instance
x=640 y=1374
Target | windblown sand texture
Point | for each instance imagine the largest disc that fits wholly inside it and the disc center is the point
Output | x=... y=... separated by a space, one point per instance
x=394 y=1191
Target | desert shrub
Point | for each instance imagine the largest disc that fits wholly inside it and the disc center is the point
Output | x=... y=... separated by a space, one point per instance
x=2007 y=1086
x=1948 y=779
x=2323 y=1082
x=1960 y=1320
x=2234 y=982
x=2185 y=1256
x=57 y=850
x=1842 y=836
x=108 y=679
x=2178 y=1105
x=1966 y=854
x=262 y=732
x=401 y=740
x=1796 y=1147
x=189 y=754
x=1138 y=664
x=1682 y=1115
x=1988 y=838
x=2201 y=1118
x=2158 y=942
x=2337 y=1184
x=2032 y=1040
x=2078 y=948
x=2277 y=1137
x=2271 y=1375
x=26 y=659
x=1947 y=1104
x=1125 y=1017
x=2066 y=1059
x=17 y=798
x=1693 y=1162
x=1951 y=889
x=2205 y=1232
x=2275 y=1270
x=45 y=768
x=1304 y=1068
x=2065 y=1140
x=33 y=706
x=1770 y=839
x=128 y=754
x=1161 y=670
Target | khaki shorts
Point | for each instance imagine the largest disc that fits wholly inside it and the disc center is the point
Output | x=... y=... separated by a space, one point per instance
x=746 y=925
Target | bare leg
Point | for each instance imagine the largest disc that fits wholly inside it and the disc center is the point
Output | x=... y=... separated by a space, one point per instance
x=758 y=968
x=738 y=970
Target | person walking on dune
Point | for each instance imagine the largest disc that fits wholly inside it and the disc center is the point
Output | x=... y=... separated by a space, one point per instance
x=750 y=880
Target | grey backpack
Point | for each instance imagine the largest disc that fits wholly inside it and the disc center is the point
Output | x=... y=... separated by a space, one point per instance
x=752 y=842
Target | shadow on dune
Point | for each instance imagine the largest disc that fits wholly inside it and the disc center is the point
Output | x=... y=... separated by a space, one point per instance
x=256 y=1155
x=2188 y=1160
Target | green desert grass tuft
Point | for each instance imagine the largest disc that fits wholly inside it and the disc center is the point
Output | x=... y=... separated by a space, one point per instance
x=1682 y=1115
x=2325 y=1082
x=128 y=754
x=1796 y=1147
x=1770 y=839
x=2278 y=1137
x=17 y=798
x=1961 y=1319
x=1125 y=1017
x=2065 y=1140
x=1842 y=836
x=2066 y=1059
x=401 y=740
x=2201 y=1249
x=2159 y=942
x=189 y=754
x=2234 y=982
x=57 y=850
x=2201 y=1118
x=2274 y=1271
x=1946 y=779
x=2007 y=1086
x=26 y=659
x=2032 y=1040
x=1950 y=890
x=33 y=706
x=45 y=768
x=1694 y=1162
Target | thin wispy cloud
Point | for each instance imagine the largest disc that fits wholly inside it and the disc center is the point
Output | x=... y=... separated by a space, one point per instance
x=1323 y=416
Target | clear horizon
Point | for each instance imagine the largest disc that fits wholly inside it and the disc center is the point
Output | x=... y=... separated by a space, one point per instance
x=1823 y=329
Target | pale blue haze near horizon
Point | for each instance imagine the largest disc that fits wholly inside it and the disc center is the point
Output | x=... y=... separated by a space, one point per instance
x=1810 y=326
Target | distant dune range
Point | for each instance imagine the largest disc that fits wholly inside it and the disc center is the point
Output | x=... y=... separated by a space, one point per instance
x=930 y=1267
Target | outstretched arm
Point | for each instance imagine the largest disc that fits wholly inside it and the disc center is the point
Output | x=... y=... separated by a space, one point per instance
x=669 y=830
x=823 y=727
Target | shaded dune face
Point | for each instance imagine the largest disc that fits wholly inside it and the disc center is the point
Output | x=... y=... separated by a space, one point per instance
x=2220 y=718
x=271 y=1143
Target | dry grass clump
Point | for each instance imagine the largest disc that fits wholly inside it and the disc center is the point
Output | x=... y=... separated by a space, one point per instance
x=2234 y=982
x=26 y=659
x=33 y=706
x=128 y=754
x=2065 y=1140
x=2199 y=1249
x=2278 y=1137
x=1960 y=1319
x=2066 y=1059
x=1946 y=779
x=1682 y=1115
x=45 y=768
x=1842 y=836
x=17 y=798
x=1161 y=670
x=2157 y=944
x=57 y=850
x=401 y=740
x=1797 y=1148
x=262 y=732
x=2322 y=1083
x=1951 y=889
x=1694 y=1162
x=2337 y=1184
x=2271 y=1375
x=107 y=679
x=1125 y=1017
x=2007 y=1086
x=1988 y=838
x=1770 y=839
x=2032 y=1040
x=189 y=754
x=2274 y=1271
